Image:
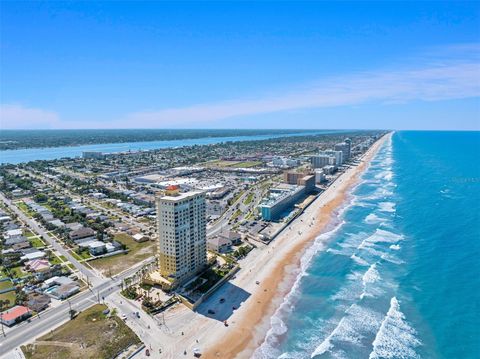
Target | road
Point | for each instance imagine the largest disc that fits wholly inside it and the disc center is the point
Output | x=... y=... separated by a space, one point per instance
x=125 y=217
x=53 y=317
x=91 y=276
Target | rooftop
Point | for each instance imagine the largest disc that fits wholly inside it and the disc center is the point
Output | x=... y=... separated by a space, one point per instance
x=14 y=313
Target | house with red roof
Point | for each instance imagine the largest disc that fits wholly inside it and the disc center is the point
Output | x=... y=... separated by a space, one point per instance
x=15 y=315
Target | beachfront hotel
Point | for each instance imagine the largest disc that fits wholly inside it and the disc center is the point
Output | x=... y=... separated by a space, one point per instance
x=345 y=148
x=181 y=225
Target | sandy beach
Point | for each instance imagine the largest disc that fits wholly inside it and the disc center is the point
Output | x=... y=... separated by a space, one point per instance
x=276 y=268
x=247 y=306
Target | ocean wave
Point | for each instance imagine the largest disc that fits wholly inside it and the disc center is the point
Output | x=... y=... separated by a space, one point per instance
x=373 y=218
x=387 y=207
x=395 y=338
x=380 y=236
x=277 y=325
x=359 y=260
x=385 y=175
x=371 y=275
x=351 y=329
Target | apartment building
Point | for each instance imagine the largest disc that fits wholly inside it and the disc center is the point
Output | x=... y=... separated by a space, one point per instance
x=181 y=226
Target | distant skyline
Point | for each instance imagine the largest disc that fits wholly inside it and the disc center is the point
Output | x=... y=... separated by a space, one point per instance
x=310 y=65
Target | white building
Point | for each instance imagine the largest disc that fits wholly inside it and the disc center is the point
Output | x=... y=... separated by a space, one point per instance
x=319 y=176
x=337 y=154
x=344 y=147
x=181 y=226
x=321 y=161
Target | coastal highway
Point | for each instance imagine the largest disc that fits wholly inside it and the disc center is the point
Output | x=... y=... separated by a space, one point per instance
x=26 y=332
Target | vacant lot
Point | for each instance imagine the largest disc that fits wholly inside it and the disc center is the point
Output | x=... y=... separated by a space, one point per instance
x=36 y=242
x=118 y=263
x=90 y=335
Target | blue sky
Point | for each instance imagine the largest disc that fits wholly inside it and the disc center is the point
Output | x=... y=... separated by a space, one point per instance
x=402 y=65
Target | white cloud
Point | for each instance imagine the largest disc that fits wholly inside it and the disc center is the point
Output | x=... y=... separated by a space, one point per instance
x=448 y=73
x=15 y=116
x=434 y=83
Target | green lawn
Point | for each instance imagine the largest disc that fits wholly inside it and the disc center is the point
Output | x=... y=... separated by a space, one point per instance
x=18 y=271
x=249 y=199
x=236 y=214
x=236 y=197
x=10 y=296
x=90 y=335
x=36 y=242
x=28 y=233
x=82 y=255
x=55 y=260
x=71 y=266
x=116 y=264
x=24 y=208
x=6 y=284
x=246 y=164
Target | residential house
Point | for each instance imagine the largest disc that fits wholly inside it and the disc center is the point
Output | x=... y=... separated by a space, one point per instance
x=14 y=315
x=80 y=233
x=140 y=237
x=219 y=244
x=38 y=302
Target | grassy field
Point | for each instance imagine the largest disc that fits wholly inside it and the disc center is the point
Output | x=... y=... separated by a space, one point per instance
x=90 y=335
x=220 y=163
x=233 y=164
x=116 y=264
x=6 y=284
x=10 y=296
x=246 y=164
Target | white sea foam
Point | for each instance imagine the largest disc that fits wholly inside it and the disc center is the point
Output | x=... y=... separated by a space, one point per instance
x=387 y=207
x=277 y=326
x=385 y=175
x=373 y=218
x=380 y=236
x=371 y=275
x=395 y=338
x=359 y=260
x=395 y=247
x=352 y=328
x=337 y=252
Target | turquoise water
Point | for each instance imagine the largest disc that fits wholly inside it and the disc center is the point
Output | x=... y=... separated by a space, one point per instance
x=398 y=274
x=51 y=153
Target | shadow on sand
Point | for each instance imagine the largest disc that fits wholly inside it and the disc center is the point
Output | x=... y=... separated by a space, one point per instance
x=233 y=297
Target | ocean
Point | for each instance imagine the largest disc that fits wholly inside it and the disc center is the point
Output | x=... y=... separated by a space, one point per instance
x=397 y=275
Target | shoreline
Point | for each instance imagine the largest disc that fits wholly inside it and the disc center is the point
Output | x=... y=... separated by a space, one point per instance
x=278 y=272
